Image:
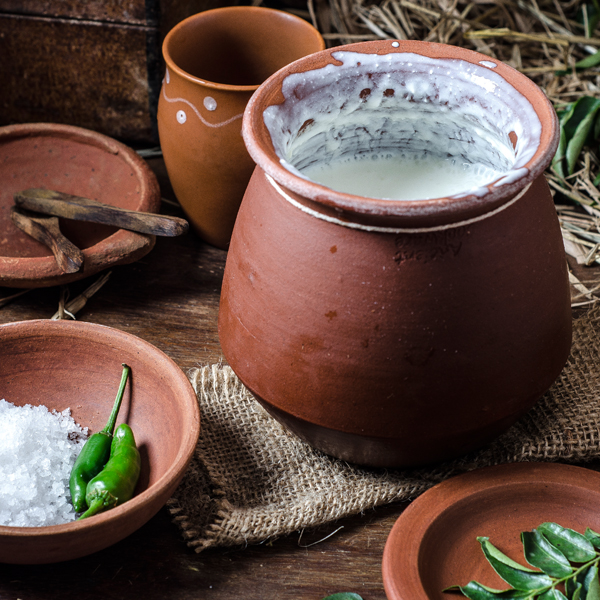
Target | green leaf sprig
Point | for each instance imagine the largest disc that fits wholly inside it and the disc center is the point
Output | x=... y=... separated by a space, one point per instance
x=344 y=596
x=567 y=563
x=579 y=126
x=588 y=17
x=590 y=61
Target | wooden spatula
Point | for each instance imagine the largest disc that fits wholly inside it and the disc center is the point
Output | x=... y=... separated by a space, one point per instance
x=58 y=204
x=47 y=231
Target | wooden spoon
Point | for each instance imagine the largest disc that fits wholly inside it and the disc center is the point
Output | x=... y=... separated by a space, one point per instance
x=58 y=204
x=47 y=230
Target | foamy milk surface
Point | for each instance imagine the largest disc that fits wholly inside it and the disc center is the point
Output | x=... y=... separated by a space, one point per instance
x=400 y=176
x=402 y=126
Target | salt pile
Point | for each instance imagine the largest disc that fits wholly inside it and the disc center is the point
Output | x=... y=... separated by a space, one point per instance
x=37 y=451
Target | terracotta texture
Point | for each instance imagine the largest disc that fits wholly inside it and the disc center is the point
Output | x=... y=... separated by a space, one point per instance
x=433 y=545
x=74 y=161
x=215 y=61
x=76 y=365
x=400 y=347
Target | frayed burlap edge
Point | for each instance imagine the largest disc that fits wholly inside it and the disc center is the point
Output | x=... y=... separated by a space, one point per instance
x=251 y=480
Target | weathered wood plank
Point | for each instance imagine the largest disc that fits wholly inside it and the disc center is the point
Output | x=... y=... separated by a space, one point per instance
x=102 y=77
x=135 y=12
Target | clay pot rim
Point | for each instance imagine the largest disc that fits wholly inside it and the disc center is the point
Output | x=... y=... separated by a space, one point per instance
x=154 y=496
x=372 y=212
x=224 y=9
x=121 y=246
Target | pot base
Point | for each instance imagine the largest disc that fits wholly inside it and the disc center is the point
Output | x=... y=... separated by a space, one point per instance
x=381 y=452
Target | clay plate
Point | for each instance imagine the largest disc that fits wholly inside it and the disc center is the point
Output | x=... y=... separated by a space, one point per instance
x=80 y=162
x=76 y=365
x=433 y=544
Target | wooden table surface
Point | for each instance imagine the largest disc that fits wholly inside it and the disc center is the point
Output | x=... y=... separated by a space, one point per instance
x=170 y=298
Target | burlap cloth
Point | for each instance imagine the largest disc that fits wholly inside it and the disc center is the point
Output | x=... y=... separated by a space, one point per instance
x=251 y=480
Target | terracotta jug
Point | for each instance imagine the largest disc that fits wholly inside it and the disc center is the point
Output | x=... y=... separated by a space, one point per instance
x=397 y=332
x=215 y=60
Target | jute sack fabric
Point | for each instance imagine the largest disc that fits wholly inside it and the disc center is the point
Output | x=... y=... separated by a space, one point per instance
x=251 y=480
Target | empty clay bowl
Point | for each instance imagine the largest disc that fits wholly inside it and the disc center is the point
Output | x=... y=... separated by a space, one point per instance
x=77 y=365
x=80 y=162
x=433 y=545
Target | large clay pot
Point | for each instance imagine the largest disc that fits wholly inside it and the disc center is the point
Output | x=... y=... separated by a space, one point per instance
x=397 y=333
x=215 y=60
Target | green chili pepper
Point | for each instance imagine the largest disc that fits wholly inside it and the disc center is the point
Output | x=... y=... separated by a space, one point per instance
x=116 y=483
x=95 y=453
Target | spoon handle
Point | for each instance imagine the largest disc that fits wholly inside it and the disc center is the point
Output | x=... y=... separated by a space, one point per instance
x=58 y=204
x=47 y=231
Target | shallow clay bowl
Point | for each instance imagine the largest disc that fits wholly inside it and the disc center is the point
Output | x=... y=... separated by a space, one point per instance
x=68 y=364
x=80 y=162
x=433 y=545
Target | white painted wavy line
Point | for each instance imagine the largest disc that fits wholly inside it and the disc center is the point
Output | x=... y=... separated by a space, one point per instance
x=198 y=112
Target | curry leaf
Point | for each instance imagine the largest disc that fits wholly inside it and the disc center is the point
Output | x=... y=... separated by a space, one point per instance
x=593 y=537
x=588 y=62
x=592 y=60
x=573 y=589
x=575 y=546
x=478 y=591
x=343 y=596
x=584 y=586
x=540 y=553
x=574 y=114
x=587 y=111
x=553 y=549
x=520 y=577
x=597 y=129
x=591 y=586
x=578 y=125
x=552 y=594
x=558 y=160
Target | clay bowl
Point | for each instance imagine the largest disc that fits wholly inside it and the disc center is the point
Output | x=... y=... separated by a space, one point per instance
x=75 y=161
x=77 y=365
x=433 y=545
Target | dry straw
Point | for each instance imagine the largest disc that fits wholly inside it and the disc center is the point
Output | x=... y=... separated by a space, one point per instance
x=67 y=309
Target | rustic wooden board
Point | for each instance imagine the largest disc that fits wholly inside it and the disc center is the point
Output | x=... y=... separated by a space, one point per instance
x=104 y=77
x=135 y=12
x=95 y=64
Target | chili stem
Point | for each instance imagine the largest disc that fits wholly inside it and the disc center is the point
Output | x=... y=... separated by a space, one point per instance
x=95 y=507
x=110 y=425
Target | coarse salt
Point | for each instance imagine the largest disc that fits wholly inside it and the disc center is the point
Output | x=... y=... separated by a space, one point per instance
x=38 y=448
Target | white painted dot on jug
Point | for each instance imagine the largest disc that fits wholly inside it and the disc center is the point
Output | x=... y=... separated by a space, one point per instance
x=181 y=117
x=210 y=103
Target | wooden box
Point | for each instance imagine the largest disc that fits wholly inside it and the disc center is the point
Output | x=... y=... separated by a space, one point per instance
x=92 y=63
